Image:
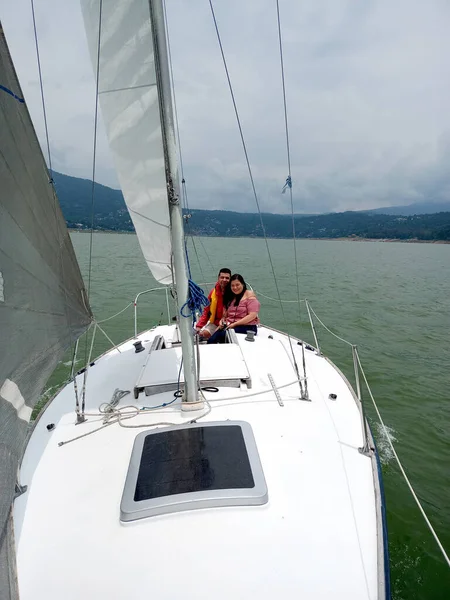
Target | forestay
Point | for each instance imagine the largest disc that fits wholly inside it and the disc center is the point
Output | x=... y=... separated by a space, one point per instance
x=129 y=102
x=43 y=304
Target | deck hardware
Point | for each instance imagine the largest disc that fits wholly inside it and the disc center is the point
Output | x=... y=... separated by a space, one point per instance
x=365 y=448
x=153 y=486
x=50 y=427
x=19 y=490
x=81 y=371
x=313 y=327
x=138 y=347
x=332 y=396
x=275 y=389
x=250 y=337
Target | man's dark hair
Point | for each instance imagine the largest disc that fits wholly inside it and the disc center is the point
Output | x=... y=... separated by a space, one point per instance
x=225 y=270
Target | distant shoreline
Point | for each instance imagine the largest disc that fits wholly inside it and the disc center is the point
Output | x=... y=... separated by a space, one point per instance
x=387 y=240
x=315 y=239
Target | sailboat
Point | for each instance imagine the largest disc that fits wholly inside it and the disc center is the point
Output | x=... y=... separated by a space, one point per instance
x=163 y=469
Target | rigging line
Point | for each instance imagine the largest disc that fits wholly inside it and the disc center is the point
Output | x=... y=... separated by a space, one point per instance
x=108 y=338
x=188 y=232
x=329 y=330
x=213 y=268
x=288 y=151
x=275 y=300
x=83 y=391
x=183 y=187
x=74 y=378
x=411 y=489
x=42 y=91
x=116 y=315
x=94 y=154
x=197 y=256
x=253 y=186
x=59 y=237
x=184 y=194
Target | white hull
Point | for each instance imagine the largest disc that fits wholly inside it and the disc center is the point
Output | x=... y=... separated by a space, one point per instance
x=319 y=536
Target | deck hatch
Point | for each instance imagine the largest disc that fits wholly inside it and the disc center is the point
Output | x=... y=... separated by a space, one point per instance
x=193 y=466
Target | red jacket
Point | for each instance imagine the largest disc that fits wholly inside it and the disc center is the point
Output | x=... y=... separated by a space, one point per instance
x=215 y=298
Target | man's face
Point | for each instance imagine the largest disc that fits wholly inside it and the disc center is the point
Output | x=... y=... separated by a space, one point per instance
x=224 y=278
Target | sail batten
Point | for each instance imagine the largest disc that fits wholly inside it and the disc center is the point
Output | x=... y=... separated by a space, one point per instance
x=128 y=96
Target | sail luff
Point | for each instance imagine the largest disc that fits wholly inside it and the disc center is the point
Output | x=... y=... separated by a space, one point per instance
x=128 y=99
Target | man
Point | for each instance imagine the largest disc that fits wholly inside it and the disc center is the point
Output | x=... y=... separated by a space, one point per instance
x=212 y=314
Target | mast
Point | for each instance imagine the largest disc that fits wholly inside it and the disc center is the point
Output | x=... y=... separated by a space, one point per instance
x=190 y=397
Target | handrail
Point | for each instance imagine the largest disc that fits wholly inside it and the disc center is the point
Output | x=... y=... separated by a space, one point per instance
x=166 y=289
x=158 y=289
x=308 y=308
x=366 y=448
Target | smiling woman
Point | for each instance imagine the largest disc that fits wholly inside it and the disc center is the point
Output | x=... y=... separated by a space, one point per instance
x=241 y=308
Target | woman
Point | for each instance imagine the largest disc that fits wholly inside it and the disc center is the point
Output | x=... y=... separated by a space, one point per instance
x=241 y=309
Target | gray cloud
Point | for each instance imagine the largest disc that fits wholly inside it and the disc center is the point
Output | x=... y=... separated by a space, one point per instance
x=367 y=97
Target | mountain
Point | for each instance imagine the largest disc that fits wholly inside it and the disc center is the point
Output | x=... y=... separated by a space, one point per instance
x=335 y=225
x=111 y=214
x=421 y=208
x=75 y=198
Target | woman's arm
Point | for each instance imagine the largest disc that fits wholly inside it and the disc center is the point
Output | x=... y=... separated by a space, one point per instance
x=223 y=320
x=248 y=319
x=252 y=307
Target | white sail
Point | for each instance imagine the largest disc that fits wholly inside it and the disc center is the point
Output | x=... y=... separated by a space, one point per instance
x=130 y=109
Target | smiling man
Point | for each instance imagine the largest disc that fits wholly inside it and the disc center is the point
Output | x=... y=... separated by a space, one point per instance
x=212 y=314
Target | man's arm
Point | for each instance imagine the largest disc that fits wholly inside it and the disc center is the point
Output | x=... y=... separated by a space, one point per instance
x=203 y=318
x=205 y=314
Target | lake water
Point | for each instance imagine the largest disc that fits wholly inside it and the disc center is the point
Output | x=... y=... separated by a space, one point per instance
x=391 y=299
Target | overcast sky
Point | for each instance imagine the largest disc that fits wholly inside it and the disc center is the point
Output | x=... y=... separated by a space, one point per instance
x=368 y=95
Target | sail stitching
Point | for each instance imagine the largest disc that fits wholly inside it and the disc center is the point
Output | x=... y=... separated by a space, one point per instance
x=148 y=218
x=131 y=87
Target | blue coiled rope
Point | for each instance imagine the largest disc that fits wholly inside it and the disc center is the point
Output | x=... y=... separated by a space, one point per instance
x=197 y=299
x=196 y=302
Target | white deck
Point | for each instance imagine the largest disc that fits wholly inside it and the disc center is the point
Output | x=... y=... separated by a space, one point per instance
x=316 y=538
x=223 y=362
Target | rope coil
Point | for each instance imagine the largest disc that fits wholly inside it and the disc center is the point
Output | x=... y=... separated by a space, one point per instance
x=196 y=302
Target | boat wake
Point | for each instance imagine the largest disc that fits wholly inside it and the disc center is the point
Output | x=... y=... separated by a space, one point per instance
x=69 y=363
x=383 y=436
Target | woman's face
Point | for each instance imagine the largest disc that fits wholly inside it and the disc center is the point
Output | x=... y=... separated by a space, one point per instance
x=236 y=286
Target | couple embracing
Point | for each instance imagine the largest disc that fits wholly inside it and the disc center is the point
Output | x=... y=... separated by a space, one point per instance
x=232 y=306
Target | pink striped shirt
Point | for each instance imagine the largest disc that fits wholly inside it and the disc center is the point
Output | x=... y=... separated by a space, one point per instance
x=244 y=308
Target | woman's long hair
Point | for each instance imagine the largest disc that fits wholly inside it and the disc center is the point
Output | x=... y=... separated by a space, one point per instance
x=229 y=296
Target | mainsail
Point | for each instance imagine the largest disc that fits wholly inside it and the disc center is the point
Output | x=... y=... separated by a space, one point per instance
x=122 y=39
x=43 y=304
